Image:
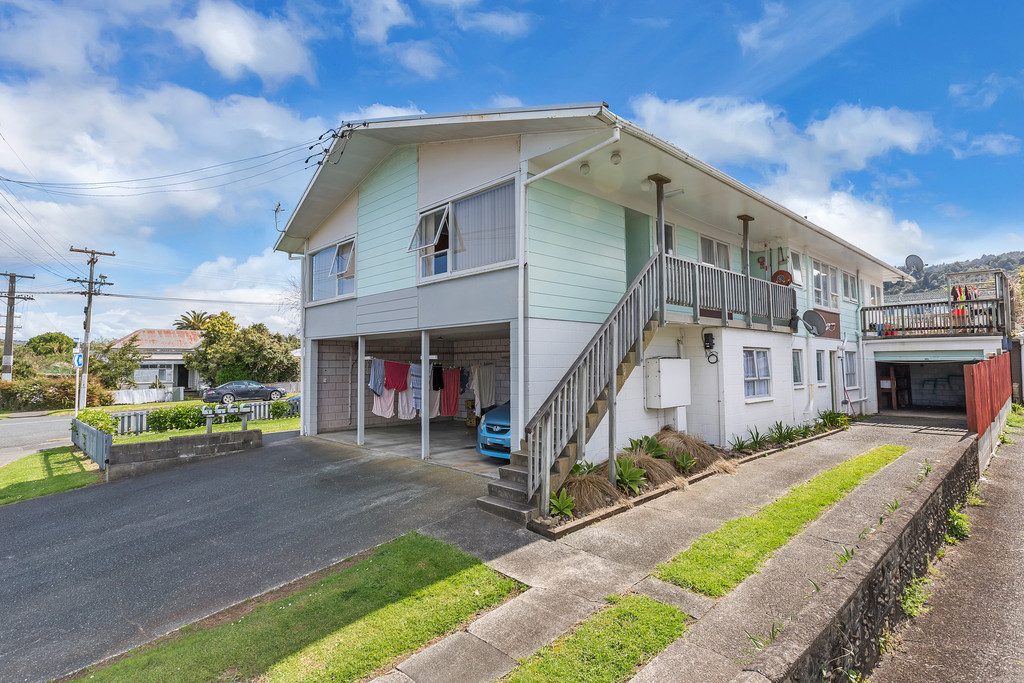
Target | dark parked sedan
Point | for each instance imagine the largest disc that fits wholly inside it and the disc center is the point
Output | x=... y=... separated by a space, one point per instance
x=241 y=390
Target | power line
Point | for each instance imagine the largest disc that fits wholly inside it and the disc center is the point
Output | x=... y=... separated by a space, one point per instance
x=166 y=298
x=94 y=288
x=7 y=371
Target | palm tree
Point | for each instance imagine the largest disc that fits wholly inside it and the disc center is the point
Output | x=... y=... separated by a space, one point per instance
x=193 y=320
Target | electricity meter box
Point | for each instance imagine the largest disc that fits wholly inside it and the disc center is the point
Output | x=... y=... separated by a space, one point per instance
x=668 y=382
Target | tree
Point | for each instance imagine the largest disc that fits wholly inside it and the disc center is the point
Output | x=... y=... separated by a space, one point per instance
x=217 y=333
x=50 y=343
x=117 y=366
x=229 y=353
x=193 y=320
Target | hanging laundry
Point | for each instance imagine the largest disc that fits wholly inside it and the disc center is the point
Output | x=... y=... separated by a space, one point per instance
x=416 y=384
x=464 y=378
x=384 y=405
x=376 y=376
x=450 y=392
x=436 y=378
x=435 y=403
x=483 y=387
x=396 y=375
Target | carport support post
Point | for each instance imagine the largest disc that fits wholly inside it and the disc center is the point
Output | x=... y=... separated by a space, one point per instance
x=424 y=396
x=360 y=391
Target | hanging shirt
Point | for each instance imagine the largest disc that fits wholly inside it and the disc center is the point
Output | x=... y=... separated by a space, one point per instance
x=396 y=375
x=435 y=403
x=483 y=387
x=416 y=384
x=384 y=405
x=464 y=377
x=436 y=378
x=376 y=376
x=450 y=392
x=406 y=409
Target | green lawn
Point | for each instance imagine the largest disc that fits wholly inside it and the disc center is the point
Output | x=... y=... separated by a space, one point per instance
x=343 y=628
x=285 y=424
x=51 y=471
x=1015 y=420
x=720 y=560
x=608 y=646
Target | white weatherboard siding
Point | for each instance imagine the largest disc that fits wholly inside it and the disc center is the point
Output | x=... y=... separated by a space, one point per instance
x=387 y=218
x=448 y=170
x=553 y=346
x=576 y=254
x=742 y=413
x=340 y=225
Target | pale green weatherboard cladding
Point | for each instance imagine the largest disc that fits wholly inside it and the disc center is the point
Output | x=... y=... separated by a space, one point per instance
x=577 y=254
x=387 y=218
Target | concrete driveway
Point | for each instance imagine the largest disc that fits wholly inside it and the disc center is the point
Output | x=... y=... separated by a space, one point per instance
x=24 y=434
x=90 y=573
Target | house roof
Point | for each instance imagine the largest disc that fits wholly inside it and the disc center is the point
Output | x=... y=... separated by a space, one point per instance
x=183 y=340
x=708 y=195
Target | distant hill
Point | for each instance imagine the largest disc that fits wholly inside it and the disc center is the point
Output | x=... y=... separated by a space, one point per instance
x=934 y=277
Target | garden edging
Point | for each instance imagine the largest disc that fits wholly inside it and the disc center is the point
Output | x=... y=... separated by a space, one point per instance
x=555 y=533
x=840 y=628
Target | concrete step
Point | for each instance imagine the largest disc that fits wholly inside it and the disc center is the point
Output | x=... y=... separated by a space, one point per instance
x=508 y=490
x=513 y=473
x=516 y=512
x=519 y=458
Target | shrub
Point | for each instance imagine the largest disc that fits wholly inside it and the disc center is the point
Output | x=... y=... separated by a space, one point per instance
x=179 y=417
x=590 y=491
x=562 y=504
x=43 y=393
x=648 y=445
x=583 y=467
x=704 y=455
x=103 y=421
x=656 y=470
x=279 y=409
x=684 y=462
x=629 y=477
x=833 y=419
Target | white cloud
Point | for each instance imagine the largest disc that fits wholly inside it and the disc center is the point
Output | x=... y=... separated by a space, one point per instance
x=991 y=144
x=372 y=20
x=762 y=35
x=951 y=210
x=501 y=22
x=454 y=4
x=801 y=167
x=235 y=40
x=380 y=111
x=505 y=101
x=55 y=38
x=982 y=94
x=419 y=56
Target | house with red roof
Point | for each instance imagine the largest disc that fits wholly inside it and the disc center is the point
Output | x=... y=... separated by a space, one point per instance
x=164 y=351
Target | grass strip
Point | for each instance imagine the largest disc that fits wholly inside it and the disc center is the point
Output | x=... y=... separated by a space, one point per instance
x=46 y=472
x=720 y=560
x=608 y=646
x=343 y=628
x=284 y=424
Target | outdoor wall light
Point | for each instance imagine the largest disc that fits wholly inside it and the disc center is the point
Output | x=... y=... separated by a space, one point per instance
x=584 y=168
x=615 y=158
x=646 y=185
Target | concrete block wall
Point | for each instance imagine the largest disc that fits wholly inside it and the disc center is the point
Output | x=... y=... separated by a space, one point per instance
x=938 y=385
x=477 y=352
x=401 y=351
x=335 y=374
x=134 y=459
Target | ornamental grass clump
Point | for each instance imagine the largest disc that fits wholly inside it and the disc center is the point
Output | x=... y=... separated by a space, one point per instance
x=705 y=457
x=658 y=471
x=590 y=491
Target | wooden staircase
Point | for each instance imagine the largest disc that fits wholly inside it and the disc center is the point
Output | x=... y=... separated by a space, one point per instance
x=509 y=497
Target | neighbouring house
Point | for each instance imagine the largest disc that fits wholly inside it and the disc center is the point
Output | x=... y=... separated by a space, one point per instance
x=164 y=350
x=565 y=246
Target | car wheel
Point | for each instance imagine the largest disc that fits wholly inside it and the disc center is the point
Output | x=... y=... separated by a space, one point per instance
x=274 y=395
x=227 y=399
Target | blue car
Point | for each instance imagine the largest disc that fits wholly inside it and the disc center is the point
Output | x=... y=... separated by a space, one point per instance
x=493 y=434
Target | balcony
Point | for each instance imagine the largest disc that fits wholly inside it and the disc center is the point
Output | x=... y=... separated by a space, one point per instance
x=723 y=293
x=985 y=311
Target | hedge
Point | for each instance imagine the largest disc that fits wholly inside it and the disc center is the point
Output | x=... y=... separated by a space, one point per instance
x=48 y=393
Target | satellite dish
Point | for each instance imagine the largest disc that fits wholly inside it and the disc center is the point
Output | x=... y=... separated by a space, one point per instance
x=814 y=323
x=782 y=277
x=914 y=264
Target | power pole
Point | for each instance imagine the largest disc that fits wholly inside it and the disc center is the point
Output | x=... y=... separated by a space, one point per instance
x=93 y=289
x=7 y=373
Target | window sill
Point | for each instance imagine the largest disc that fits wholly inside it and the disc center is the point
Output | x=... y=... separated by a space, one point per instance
x=759 y=399
x=466 y=273
x=332 y=300
x=799 y=386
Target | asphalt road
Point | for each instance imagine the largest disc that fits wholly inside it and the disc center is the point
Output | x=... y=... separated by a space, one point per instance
x=90 y=573
x=21 y=436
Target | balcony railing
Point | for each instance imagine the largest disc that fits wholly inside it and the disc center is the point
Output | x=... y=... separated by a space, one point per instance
x=713 y=291
x=931 y=318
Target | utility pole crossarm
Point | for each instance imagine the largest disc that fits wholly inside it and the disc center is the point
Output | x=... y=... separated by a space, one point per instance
x=93 y=289
x=7 y=370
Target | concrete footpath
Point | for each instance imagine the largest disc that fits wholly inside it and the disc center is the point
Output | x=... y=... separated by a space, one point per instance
x=973 y=629
x=570 y=578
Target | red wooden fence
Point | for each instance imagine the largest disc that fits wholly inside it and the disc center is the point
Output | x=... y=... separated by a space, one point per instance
x=988 y=387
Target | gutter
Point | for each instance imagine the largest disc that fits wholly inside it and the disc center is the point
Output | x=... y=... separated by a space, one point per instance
x=573 y=159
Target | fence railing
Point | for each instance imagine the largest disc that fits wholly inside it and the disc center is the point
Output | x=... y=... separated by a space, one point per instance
x=136 y=421
x=725 y=292
x=976 y=316
x=92 y=442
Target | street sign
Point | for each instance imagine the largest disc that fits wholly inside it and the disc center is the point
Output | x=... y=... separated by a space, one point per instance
x=77 y=360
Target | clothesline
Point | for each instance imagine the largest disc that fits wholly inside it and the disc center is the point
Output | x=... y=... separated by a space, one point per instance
x=389 y=378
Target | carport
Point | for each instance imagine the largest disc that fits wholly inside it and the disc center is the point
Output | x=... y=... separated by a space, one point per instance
x=923 y=380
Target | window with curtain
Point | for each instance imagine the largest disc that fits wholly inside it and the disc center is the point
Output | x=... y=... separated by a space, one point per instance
x=756 y=373
x=798 y=367
x=851 y=369
x=819 y=362
x=826 y=285
x=468 y=233
x=714 y=253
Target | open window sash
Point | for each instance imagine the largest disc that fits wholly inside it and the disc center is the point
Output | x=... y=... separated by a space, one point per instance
x=429 y=228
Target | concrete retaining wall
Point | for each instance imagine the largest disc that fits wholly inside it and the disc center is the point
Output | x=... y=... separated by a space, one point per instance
x=133 y=459
x=839 y=629
x=988 y=441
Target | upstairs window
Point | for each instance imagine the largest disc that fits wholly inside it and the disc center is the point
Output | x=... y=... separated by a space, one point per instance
x=851 y=370
x=876 y=295
x=796 y=268
x=334 y=271
x=849 y=286
x=826 y=285
x=670 y=239
x=714 y=253
x=468 y=233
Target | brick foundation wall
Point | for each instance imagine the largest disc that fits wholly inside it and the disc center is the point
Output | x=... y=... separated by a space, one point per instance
x=134 y=459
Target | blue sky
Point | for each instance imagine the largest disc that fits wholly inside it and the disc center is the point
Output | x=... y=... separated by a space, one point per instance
x=897 y=125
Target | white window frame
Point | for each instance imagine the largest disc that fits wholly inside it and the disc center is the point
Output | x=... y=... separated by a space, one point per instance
x=798 y=368
x=426 y=250
x=348 y=274
x=716 y=244
x=819 y=368
x=826 y=285
x=757 y=378
x=850 y=287
x=850 y=369
x=877 y=296
x=796 y=267
x=671 y=235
